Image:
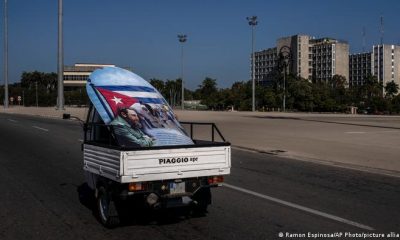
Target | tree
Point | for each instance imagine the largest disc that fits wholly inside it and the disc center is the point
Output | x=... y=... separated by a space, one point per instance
x=172 y=91
x=158 y=84
x=47 y=81
x=372 y=88
x=391 y=89
x=338 y=81
x=265 y=97
x=208 y=86
x=239 y=92
x=300 y=93
x=396 y=104
x=208 y=92
x=44 y=83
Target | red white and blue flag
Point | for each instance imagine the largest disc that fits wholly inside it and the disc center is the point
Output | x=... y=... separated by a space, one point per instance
x=111 y=88
x=116 y=100
x=126 y=96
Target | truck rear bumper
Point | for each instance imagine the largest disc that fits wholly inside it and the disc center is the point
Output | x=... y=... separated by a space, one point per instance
x=155 y=200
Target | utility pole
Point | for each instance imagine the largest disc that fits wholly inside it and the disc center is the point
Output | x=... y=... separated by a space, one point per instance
x=37 y=98
x=381 y=30
x=253 y=22
x=285 y=54
x=363 y=39
x=182 y=39
x=5 y=55
x=60 y=68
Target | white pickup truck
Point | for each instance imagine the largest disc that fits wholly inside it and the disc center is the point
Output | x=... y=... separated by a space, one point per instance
x=157 y=177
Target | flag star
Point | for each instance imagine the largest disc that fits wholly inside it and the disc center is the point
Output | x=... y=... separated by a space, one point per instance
x=116 y=100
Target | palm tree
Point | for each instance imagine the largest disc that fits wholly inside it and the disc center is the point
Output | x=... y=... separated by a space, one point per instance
x=391 y=89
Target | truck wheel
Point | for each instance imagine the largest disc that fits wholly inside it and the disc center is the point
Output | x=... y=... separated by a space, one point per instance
x=106 y=209
x=203 y=199
x=200 y=209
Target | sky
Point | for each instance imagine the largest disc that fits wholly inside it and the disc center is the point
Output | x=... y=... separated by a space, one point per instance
x=142 y=35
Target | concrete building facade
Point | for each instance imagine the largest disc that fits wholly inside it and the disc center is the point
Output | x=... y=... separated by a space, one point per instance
x=360 y=68
x=383 y=63
x=77 y=75
x=313 y=59
x=265 y=61
x=300 y=54
x=329 y=57
x=318 y=60
x=386 y=59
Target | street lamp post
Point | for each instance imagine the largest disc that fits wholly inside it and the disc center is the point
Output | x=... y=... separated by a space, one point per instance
x=253 y=22
x=285 y=55
x=5 y=55
x=284 y=88
x=182 y=38
x=37 y=98
x=60 y=102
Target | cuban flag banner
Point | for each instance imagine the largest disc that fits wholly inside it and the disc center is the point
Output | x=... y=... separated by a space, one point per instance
x=143 y=116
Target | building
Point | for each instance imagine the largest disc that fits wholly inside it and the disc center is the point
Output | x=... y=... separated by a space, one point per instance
x=360 y=68
x=77 y=75
x=383 y=63
x=317 y=60
x=329 y=57
x=386 y=60
x=265 y=61
x=299 y=62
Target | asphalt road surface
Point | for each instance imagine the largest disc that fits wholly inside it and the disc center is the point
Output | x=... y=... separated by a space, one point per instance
x=41 y=173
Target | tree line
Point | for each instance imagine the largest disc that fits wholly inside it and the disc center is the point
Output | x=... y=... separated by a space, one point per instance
x=40 y=88
x=301 y=94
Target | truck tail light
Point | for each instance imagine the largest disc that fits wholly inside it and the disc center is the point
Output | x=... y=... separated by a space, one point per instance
x=136 y=186
x=215 y=180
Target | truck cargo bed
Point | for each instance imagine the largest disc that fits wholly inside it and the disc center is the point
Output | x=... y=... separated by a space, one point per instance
x=205 y=158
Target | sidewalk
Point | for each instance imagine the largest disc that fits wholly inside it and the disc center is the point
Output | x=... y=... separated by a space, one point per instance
x=50 y=112
x=363 y=142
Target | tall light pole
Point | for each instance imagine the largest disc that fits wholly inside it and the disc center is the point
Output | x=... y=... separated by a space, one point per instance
x=284 y=55
x=37 y=98
x=182 y=38
x=5 y=55
x=60 y=68
x=253 y=22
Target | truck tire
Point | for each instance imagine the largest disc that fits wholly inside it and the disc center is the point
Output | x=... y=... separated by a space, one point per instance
x=106 y=209
x=203 y=199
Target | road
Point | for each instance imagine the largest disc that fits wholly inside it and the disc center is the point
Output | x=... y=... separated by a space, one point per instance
x=362 y=142
x=41 y=173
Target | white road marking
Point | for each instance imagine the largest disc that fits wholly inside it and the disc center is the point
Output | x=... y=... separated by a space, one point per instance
x=12 y=120
x=373 y=132
x=299 y=207
x=43 y=129
x=80 y=140
x=386 y=132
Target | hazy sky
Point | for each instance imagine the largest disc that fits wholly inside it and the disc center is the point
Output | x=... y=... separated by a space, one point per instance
x=143 y=34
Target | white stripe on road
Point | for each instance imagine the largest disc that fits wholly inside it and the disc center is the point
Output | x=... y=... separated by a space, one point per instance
x=80 y=140
x=12 y=120
x=373 y=132
x=43 y=129
x=386 y=132
x=299 y=207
